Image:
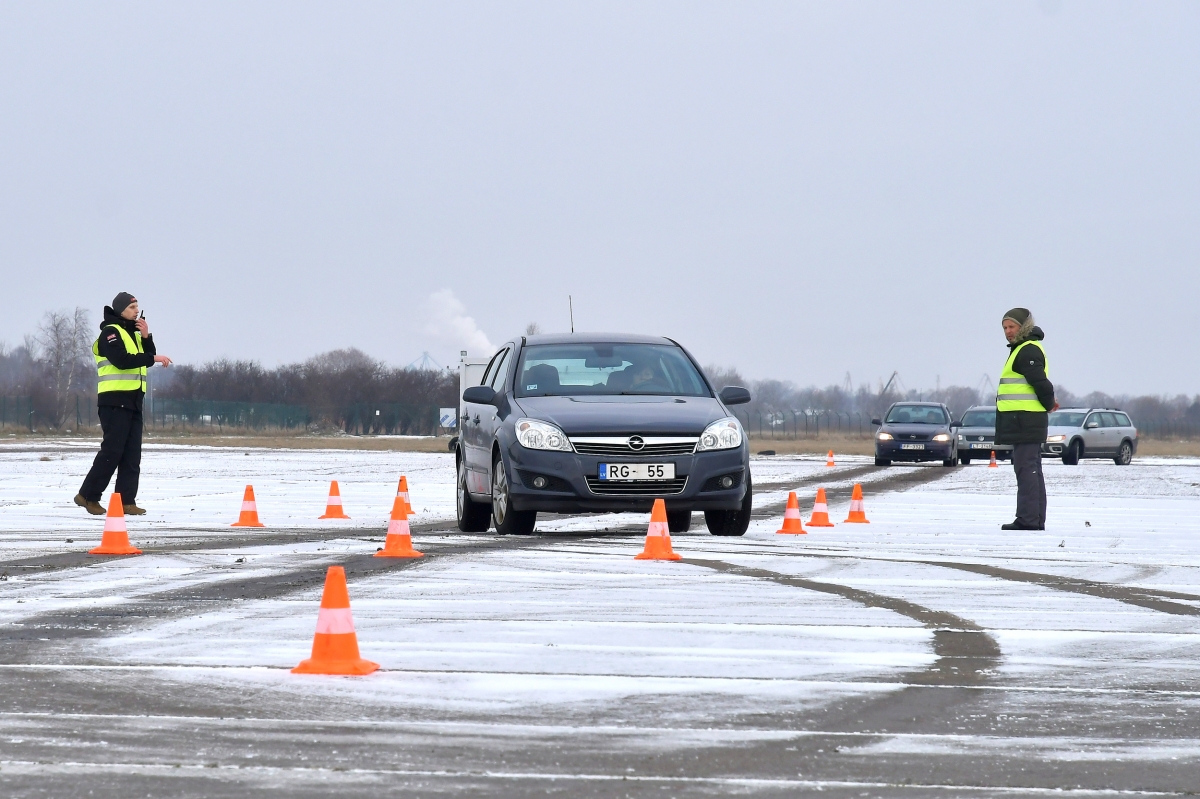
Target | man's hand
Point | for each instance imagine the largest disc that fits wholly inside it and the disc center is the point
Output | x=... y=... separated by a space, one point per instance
x=143 y=328
x=164 y=360
x=1055 y=408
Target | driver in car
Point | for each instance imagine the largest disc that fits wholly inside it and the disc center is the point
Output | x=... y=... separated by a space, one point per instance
x=646 y=378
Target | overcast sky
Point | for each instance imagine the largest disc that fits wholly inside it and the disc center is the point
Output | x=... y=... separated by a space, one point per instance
x=796 y=189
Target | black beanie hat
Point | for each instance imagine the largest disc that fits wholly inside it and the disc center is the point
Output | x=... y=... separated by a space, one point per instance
x=1018 y=315
x=121 y=302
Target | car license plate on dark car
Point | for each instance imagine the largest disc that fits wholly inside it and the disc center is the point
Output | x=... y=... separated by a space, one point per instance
x=637 y=471
x=912 y=446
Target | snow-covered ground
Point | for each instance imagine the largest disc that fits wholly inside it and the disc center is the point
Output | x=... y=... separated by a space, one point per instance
x=561 y=628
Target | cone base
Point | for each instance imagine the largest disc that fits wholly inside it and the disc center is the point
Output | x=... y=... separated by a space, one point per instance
x=247 y=524
x=399 y=553
x=117 y=550
x=355 y=667
x=791 y=532
x=333 y=516
x=857 y=521
x=660 y=556
x=820 y=524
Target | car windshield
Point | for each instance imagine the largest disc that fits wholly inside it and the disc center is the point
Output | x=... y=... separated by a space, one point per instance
x=979 y=419
x=1066 y=419
x=569 y=370
x=915 y=414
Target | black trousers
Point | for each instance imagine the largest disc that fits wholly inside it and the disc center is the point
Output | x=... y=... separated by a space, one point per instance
x=1031 y=485
x=120 y=452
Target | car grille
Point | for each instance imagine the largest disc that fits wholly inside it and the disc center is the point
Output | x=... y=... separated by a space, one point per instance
x=649 y=488
x=619 y=446
x=902 y=437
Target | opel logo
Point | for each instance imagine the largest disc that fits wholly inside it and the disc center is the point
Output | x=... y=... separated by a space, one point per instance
x=635 y=442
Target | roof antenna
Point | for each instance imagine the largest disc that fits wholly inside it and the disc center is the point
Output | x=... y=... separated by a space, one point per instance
x=571 y=307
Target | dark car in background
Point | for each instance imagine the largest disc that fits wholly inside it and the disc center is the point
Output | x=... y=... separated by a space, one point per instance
x=600 y=422
x=915 y=432
x=976 y=436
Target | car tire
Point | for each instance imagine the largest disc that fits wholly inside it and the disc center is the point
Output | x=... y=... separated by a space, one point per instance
x=730 y=522
x=965 y=460
x=679 y=521
x=948 y=462
x=473 y=517
x=507 y=520
x=1073 y=453
x=882 y=461
x=1124 y=454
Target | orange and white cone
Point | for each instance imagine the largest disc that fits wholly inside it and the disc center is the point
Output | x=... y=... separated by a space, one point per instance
x=992 y=463
x=658 y=536
x=115 y=540
x=402 y=492
x=335 y=646
x=858 y=513
x=333 y=506
x=398 y=543
x=820 y=514
x=791 y=518
x=829 y=459
x=249 y=514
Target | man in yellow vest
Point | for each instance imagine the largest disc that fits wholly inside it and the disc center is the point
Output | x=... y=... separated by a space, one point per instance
x=1023 y=401
x=123 y=352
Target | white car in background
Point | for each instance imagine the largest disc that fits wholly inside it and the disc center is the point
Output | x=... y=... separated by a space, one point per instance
x=1077 y=433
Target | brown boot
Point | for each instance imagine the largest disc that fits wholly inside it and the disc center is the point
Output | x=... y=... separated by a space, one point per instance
x=134 y=510
x=94 y=508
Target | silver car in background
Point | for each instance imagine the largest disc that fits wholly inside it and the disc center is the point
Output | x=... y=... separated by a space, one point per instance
x=1077 y=433
x=977 y=435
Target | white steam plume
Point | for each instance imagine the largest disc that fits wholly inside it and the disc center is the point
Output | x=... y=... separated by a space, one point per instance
x=446 y=320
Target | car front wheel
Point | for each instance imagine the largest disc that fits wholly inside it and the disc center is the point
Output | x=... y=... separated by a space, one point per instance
x=473 y=517
x=1124 y=454
x=731 y=522
x=1073 y=453
x=508 y=521
x=965 y=460
x=679 y=521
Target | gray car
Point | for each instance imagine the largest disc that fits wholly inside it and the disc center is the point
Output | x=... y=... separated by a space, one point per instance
x=977 y=435
x=1077 y=433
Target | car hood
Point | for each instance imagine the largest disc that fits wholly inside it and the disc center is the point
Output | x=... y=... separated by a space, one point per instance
x=1062 y=431
x=907 y=429
x=663 y=416
x=977 y=431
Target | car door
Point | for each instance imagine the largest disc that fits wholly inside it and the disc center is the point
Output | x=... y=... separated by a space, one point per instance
x=472 y=435
x=1093 y=434
x=1112 y=432
x=488 y=418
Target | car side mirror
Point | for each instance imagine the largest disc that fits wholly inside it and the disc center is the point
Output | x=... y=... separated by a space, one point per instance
x=734 y=395
x=877 y=422
x=1092 y=425
x=480 y=395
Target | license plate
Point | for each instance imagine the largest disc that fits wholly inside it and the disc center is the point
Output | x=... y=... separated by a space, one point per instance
x=983 y=445
x=637 y=471
x=912 y=446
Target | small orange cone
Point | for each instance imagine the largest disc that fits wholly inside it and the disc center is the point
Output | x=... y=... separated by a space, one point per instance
x=402 y=492
x=658 y=536
x=791 y=518
x=249 y=514
x=333 y=506
x=335 y=646
x=398 y=543
x=115 y=540
x=829 y=459
x=858 y=514
x=820 y=514
x=992 y=462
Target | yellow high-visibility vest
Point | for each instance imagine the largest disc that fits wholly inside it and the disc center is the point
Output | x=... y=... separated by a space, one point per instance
x=1014 y=392
x=109 y=377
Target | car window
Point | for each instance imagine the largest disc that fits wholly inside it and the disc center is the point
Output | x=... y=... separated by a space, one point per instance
x=501 y=371
x=488 y=373
x=915 y=414
x=1110 y=420
x=1095 y=419
x=979 y=419
x=1122 y=420
x=568 y=370
x=1066 y=419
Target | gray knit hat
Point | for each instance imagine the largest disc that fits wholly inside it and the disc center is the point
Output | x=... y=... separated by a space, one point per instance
x=121 y=302
x=1018 y=315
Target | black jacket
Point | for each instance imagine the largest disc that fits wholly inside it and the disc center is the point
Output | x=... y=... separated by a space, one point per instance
x=112 y=347
x=1028 y=427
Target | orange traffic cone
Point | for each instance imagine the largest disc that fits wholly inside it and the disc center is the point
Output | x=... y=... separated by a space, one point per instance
x=791 y=518
x=335 y=646
x=829 y=459
x=992 y=462
x=333 y=506
x=820 y=514
x=858 y=514
x=658 y=536
x=249 y=515
x=115 y=540
x=402 y=492
x=398 y=543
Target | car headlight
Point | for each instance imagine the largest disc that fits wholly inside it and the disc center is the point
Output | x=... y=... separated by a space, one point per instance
x=722 y=434
x=885 y=436
x=1055 y=439
x=942 y=437
x=533 y=434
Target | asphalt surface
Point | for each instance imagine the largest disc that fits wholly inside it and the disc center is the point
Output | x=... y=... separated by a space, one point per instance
x=72 y=724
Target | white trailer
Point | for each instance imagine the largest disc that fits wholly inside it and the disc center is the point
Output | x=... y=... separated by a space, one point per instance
x=470 y=373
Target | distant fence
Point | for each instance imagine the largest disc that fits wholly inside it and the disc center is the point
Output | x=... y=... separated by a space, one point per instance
x=390 y=419
x=222 y=415
x=1168 y=428
x=781 y=425
x=16 y=412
